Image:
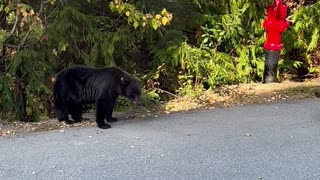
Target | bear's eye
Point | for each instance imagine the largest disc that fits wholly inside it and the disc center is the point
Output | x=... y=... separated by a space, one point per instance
x=124 y=82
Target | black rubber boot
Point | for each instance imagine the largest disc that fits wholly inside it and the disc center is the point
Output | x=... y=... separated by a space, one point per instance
x=271 y=67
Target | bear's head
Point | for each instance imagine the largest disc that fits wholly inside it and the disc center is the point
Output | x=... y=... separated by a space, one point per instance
x=130 y=88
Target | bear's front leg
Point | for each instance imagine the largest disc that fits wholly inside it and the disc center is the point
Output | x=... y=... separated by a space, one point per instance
x=109 y=110
x=76 y=111
x=101 y=112
x=61 y=110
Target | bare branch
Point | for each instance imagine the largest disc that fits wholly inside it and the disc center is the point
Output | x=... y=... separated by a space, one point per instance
x=289 y=18
x=23 y=40
x=167 y=92
x=17 y=46
x=62 y=2
x=115 y=21
x=15 y=23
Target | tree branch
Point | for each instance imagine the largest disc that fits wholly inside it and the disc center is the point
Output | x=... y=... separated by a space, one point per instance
x=167 y=92
x=23 y=40
x=15 y=24
x=115 y=22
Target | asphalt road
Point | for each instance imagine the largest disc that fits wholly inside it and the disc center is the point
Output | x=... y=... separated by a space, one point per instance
x=274 y=141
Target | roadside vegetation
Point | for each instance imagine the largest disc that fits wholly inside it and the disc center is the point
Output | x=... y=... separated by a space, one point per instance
x=188 y=54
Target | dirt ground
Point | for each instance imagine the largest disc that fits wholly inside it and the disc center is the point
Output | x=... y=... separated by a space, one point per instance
x=225 y=96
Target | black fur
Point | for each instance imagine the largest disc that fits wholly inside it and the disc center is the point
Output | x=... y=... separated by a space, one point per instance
x=80 y=85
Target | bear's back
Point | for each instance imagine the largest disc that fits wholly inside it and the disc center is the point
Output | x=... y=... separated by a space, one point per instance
x=83 y=73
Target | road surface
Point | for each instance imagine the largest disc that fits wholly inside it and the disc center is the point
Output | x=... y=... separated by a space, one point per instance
x=273 y=141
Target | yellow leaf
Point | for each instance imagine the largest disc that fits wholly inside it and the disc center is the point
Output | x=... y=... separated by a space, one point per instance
x=164 y=20
x=163 y=12
x=169 y=16
x=144 y=24
x=55 y=52
x=158 y=16
x=24 y=14
x=127 y=13
x=31 y=12
x=144 y=18
x=156 y=76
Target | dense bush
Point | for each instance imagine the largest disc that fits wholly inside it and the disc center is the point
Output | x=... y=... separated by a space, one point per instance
x=177 y=46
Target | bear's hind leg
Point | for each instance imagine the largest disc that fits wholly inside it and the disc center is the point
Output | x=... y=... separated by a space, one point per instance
x=62 y=112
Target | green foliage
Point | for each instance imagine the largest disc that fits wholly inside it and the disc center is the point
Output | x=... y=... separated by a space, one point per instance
x=180 y=46
x=307 y=23
x=3 y=36
x=137 y=18
x=23 y=68
x=7 y=103
x=289 y=65
x=228 y=51
x=302 y=38
x=150 y=97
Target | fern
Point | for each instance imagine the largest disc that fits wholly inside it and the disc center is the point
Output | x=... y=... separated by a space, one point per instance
x=307 y=23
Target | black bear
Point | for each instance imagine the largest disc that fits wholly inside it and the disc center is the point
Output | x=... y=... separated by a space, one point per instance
x=79 y=85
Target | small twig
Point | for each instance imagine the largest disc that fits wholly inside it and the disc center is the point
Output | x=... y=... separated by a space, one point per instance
x=76 y=46
x=167 y=92
x=115 y=21
x=17 y=46
x=52 y=13
x=62 y=3
x=23 y=41
x=289 y=18
x=231 y=51
x=15 y=24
